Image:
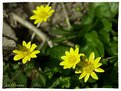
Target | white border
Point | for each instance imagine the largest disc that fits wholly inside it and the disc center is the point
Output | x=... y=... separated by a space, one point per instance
x=39 y=89
x=60 y=0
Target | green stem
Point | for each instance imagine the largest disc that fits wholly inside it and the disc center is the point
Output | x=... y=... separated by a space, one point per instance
x=66 y=16
x=18 y=73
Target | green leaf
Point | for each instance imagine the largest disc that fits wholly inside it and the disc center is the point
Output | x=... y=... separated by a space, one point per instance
x=112 y=48
x=107 y=25
x=21 y=80
x=104 y=36
x=93 y=44
x=58 y=51
x=39 y=81
x=64 y=82
x=63 y=38
x=114 y=7
x=103 y=10
x=60 y=31
x=93 y=6
x=15 y=66
x=55 y=83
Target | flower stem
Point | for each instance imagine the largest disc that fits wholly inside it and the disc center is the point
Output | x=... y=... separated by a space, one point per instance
x=33 y=35
x=18 y=73
x=66 y=16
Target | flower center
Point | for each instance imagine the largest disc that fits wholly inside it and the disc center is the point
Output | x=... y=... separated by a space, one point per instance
x=88 y=67
x=43 y=14
x=26 y=51
x=72 y=58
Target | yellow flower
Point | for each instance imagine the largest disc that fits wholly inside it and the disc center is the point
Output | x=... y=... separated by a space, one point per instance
x=88 y=67
x=41 y=14
x=25 y=52
x=71 y=58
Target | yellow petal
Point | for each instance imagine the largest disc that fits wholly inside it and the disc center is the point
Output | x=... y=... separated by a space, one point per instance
x=33 y=17
x=28 y=45
x=97 y=65
x=86 y=78
x=92 y=56
x=33 y=47
x=18 y=57
x=82 y=75
x=93 y=75
x=67 y=53
x=47 y=8
x=45 y=20
x=24 y=43
x=50 y=12
x=38 y=8
x=36 y=52
x=16 y=51
x=83 y=57
x=99 y=70
x=24 y=60
x=77 y=50
x=29 y=59
x=42 y=7
x=63 y=63
x=97 y=60
x=74 y=65
x=70 y=65
x=33 y=55
x=81 y=54
x=71 y=50
x=66 y=66
x=38 y=21
x=63 y=57
x=35 y=12
x=78 y=72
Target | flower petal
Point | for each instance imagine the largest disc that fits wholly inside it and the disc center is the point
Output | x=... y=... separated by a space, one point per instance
x=70 y=65
x=33 y=17
x=38 y=8
x=86 y=78
x=50 y=12
x=63 y=57
x=24 y=60
x=71 y=50
x=36 y=52
x=99 y=70
x=33 y=55
x=42 y=7
x=83 y=57
x=67 y=66
x=38 y=21
x=33 y=47
x=24 y=43
x=82 y=75
x=97 y=65
x=77 y=50
x=45 y=20
x=63 y=63
x=35 y=12
x=18 y=57
x=97 y=60
x=28 y=45
x=74 y=65
x=78 y=72
x=93 y=75
x=17 y=51
x=92 y=56
x=67 y=53
x=47 y=8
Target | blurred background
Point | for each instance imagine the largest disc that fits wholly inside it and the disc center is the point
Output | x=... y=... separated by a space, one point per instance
x=91 y=26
